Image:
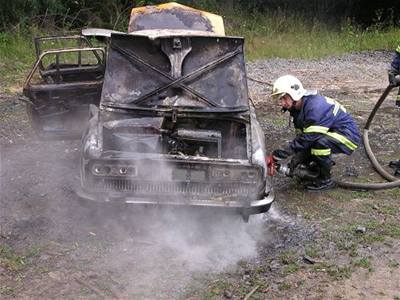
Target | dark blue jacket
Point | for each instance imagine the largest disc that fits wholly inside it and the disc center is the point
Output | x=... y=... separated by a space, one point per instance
x=321 y=115
x=395 y=65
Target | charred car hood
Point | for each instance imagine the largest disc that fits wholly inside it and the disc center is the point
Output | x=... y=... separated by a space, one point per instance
x=203 y=71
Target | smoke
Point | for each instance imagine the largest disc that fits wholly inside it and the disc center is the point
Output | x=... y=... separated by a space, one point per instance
x=152 y=252
x=170 y=248
x=208 y=242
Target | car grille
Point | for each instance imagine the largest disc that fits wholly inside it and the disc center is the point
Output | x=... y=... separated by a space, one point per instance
x=186 y=188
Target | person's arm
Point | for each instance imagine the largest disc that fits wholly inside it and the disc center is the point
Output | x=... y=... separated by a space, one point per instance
x=318 y=120
x=303 y=141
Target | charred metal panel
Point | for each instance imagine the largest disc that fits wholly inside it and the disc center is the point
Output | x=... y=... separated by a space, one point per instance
x=60 y=93
x=174 y=16
x=145 y=72
x=61 y=110
x=185 y=179
x=226 y=83
x=137 y=135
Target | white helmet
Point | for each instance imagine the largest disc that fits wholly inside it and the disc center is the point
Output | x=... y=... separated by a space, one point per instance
x=288 y=84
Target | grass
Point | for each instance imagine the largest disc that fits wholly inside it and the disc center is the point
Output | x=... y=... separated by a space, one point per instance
x=342 y=195
x=339 y=273
x=266 y=36
x=334 y=271
x=395 y=193
x=393 y=264
x=17 y=57
x=284 y=286
x=291 y=268
x=6 y=290
x=271 y=35
x=313 y=251
x=363 y=263
x=389 y=210
x=13 y=261
x=288 y=257
x=346 y=238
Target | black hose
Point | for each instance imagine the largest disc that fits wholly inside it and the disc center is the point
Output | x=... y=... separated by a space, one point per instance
x=395 y=182
x=368 y=186
x=377 y=105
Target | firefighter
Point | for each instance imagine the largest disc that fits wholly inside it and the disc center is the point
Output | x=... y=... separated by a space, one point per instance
x=323 y=126
x=394 y=72
x=394 y=80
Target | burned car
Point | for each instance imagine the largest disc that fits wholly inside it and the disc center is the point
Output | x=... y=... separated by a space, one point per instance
x=164 y=109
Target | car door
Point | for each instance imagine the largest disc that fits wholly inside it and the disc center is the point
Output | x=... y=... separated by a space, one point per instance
x=63 y=82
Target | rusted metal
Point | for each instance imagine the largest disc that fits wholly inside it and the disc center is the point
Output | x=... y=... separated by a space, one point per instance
x=174 y=16
x=213 y=71
x=59 y=102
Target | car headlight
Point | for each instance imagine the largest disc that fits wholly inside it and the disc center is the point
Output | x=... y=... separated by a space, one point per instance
x=99 y=169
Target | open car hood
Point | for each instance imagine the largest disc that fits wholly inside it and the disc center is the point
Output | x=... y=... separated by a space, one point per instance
x=175 y=71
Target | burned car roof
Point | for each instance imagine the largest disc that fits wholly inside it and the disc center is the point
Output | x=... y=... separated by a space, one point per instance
x=151 y=33
x=175 y=71
x=174 y=16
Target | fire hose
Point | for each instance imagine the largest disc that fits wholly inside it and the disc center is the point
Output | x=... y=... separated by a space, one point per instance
x=394 y=181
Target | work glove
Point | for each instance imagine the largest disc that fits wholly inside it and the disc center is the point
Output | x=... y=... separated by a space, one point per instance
x=394 y=78
x=281 y=154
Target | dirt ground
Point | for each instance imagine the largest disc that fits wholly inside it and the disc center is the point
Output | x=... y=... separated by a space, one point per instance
x=339 y=244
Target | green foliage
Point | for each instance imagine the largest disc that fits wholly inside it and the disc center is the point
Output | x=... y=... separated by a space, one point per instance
x=64 y=14
x=288 y=257
x=6 y=290
x=17 y=57
x=393 y=230
x=280 y=33
x=389 y=210
x=291 y=268
x=10 y=260
x=363 y=263
x=113 y=13
x=284 y=286
x=339 y=272
x=313 y=250
x=272 y=35
x=393 y=263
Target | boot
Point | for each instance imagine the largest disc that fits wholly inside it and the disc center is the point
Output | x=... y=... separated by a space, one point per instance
x=320 y=185
x=395 y=164
x=323 y=182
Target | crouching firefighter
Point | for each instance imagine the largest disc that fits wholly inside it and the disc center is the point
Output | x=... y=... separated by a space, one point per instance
x=394 y=80
x=323 y=126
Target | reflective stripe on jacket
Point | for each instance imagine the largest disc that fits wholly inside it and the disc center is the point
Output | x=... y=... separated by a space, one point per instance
x=322 y=115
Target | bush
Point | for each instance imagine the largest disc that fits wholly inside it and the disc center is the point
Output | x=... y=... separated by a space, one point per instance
x=70 y=14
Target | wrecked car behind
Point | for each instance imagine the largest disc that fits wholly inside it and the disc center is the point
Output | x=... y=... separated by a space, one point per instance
x=170 y=122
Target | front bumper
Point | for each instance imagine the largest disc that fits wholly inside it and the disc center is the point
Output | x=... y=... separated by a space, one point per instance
x=247 y=208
